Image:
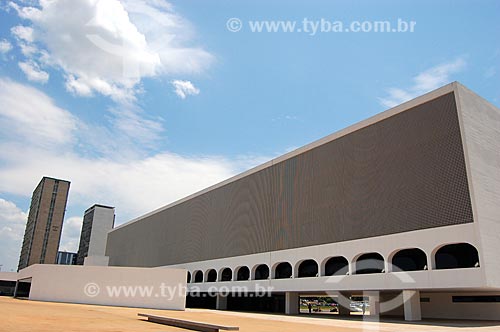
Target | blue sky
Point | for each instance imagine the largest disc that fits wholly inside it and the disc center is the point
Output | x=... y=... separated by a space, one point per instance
x=139 y=103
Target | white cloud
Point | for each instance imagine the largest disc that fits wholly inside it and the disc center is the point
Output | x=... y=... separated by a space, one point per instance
x=28 y=50
x=12 y=223
x=38 y=120
x=109 y=46
x=184 y=88
x=29 y=115
x=77 y=86
x=426 y=81
x=144 y=131
x=24 y=33
x=33 y=72
x=70 y=238
x=5 y=46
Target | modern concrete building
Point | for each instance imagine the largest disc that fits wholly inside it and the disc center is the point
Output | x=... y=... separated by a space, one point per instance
x=66 y=258
x=44 y=225
x=97 y=222
x=402 y=207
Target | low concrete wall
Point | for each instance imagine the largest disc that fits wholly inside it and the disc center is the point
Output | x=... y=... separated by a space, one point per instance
x=7 y=283
x=441 y=305
x=115 y=286
x=8 y=276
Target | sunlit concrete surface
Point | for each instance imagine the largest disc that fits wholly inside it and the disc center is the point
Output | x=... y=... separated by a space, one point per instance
x=28 y=316
x=106 y=285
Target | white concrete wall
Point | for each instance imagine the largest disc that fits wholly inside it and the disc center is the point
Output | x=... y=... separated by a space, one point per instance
x=96 y=260
x=480 y=124
x=427 y=240
x=8 y=276
x=441 y=306
x=115 y=286
x=102 y=223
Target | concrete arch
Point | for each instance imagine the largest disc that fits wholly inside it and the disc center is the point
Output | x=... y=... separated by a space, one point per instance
x=335 y=265
x=260 y=272
x=282 y=270
x=459 y=255
x=306 y=268
x=242 y=273
x=211 y=275
x=225 y=274
x=198 y=276
x=408 y=259
x=368 y=263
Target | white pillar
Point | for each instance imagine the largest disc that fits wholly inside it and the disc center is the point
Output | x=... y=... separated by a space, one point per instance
x=15 y=288
x=291 y=303
x=221 y=302
x=411 y=302
x=374 y=304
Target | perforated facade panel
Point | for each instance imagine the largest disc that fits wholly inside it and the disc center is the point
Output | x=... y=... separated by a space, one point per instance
x=404 y=173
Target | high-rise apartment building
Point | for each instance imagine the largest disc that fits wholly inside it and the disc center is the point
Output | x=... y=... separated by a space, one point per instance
x=97 y=222
x=44 y=225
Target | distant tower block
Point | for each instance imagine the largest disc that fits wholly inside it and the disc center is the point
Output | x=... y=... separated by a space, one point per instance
x=97 y=222
x=66 y=258
x=44 y=225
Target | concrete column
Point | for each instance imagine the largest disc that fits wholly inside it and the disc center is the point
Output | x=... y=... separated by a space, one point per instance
x=343 y=310
x=344 y=304
x=374 y=304
x=411 y=302
x=15 y=288
x=221 y=302
x=291 y=303
x=388 y=267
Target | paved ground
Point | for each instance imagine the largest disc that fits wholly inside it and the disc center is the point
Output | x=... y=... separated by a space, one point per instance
x=31 y=316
